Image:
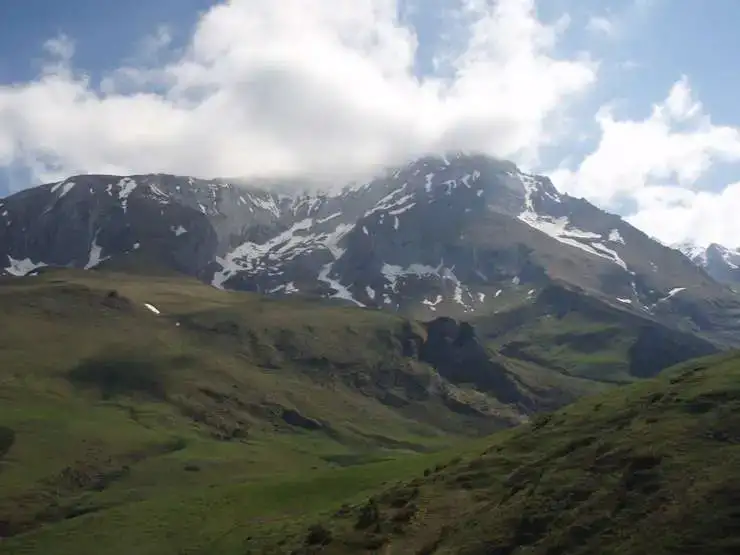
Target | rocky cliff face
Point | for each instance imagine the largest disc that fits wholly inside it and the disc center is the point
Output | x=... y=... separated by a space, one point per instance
x=442 y=236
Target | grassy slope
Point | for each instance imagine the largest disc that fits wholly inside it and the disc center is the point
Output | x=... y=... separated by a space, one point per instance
x=110 y=402
x=193 y=455
x=652 y=468
x=583 y=337
x=107 y=404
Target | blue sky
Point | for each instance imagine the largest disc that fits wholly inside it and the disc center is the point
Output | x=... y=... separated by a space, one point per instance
x=577 y=90
x=106 y=32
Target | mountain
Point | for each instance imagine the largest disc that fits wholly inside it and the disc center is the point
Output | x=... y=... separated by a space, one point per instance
x=454 y=236
x=196 y=366
x=720 y=262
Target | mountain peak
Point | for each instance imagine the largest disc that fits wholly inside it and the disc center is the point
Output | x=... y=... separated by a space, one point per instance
x=719 y=261
x=691 y=250
x=458 y=235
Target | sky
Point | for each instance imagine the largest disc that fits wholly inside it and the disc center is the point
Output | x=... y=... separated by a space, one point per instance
x=630 y=104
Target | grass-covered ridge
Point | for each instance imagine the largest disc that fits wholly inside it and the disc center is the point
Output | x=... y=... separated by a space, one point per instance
x=104 y=402
x=230 y=422
x=578 y=335
x=648 y=469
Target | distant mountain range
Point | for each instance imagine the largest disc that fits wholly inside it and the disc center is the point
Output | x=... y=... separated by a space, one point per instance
x=720 y=262
x=460 y=236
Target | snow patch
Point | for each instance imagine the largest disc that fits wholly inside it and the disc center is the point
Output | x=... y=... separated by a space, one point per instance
x=179 y=230
x=387 y=203
x=328 y=218
x=729 y=256
x=22 y=267
x=672 y=293
x=244 y=255
x=341 y=292
x=287 y=245
x=65 y=185
x=160 y=195
x=615 y=236
x=695 y=253
x=152 y=308
x=95 y=257
x=561 y=229
x=266 y=204
x=401 y=210
x=126 y=186
x=428 y=183
x=66 y=188
x=331 y=240
x=433 y=304
x=393 y=273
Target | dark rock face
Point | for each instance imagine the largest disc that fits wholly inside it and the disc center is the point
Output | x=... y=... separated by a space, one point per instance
x=7 y=439
x=454 y=236
x=294 y=418
x=657 y=348
x=454 y=351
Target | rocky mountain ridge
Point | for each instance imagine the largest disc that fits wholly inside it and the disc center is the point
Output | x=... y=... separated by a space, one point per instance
x=719 y=261
x=459 y=235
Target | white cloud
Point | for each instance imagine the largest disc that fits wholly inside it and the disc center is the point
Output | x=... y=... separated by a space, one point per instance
x=271 y=87
x=601 y=25
x=621 y=20
x=657 y=163
x=676 y=215
x=61 y=47
x=152 y=45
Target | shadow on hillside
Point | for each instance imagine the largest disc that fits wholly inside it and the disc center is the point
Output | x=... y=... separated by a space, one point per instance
x=7 y=439
x=126 y=374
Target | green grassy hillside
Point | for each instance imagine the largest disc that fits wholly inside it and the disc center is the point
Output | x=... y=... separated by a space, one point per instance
x=106 y=401
x=577 y=335
x=217 y=422
x=652 y=468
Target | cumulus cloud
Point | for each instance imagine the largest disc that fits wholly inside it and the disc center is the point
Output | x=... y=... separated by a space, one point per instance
x=700 y=217
x=657 y=164
x=284 y=87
